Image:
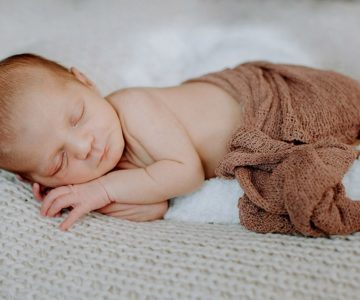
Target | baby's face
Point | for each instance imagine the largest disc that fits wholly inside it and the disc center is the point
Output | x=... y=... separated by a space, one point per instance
x=64 y=131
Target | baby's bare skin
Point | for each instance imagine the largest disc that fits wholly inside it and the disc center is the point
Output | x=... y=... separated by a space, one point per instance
x=138 y=146
x=208 y=114
x=171 y=140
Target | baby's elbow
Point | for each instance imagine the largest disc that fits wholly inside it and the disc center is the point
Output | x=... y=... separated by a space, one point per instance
x=186 y=181
x=198 y=178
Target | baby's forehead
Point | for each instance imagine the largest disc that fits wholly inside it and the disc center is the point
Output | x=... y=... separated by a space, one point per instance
x=48 y=86
x=37 y=78
x=31 y=74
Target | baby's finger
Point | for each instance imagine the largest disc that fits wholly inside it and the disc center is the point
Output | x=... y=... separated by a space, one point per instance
x=73 y=216
x=51 y=197
x=44 y=190
x=59 y=203
x=36 y=192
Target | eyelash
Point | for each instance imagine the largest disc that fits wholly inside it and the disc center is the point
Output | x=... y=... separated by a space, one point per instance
x=62 y=163
x=83 y=111
x=62 y=158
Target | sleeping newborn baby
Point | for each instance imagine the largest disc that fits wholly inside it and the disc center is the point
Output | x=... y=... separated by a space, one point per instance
x=124 y=155
x=285 y=132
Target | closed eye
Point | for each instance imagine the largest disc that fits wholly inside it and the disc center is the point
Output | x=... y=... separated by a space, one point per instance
x=64 y=153
x=61 y=165
x=81 y=116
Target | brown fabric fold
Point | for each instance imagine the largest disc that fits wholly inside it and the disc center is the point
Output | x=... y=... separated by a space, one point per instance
x=292 y=147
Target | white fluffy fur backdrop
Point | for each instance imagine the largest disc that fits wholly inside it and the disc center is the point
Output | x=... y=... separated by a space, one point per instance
x=186 y=256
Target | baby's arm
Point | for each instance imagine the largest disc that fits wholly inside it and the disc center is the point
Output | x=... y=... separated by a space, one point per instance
x=177 y=168
x=131 y=212
x=162 y=180
x=136 y=212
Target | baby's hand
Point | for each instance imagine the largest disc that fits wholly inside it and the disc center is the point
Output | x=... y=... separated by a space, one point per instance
x=83 y=198
x=135 y=212
x=38 y=190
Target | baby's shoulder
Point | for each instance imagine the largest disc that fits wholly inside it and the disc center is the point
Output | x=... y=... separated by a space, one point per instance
x=152 y=126
x=143 y=106
x=130 y=106
x=122 y=96
x=139 y=108
x=135 y=95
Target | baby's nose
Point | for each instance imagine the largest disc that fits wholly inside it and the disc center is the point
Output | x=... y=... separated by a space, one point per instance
x=82 y=146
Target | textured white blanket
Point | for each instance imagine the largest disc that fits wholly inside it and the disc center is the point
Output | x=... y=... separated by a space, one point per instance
x=159 y=43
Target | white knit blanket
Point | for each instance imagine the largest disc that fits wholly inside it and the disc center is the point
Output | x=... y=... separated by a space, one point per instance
x=159 y=43
x=107 y=258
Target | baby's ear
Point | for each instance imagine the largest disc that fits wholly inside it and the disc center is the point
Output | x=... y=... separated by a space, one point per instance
x=82 y=78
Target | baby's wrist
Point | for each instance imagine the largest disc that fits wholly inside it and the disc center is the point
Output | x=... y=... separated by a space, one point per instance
x=106 y=196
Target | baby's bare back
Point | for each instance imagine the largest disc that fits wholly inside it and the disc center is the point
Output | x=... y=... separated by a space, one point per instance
x=208 y=114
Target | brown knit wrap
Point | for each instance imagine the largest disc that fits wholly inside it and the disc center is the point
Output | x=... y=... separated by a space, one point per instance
x=292 y=147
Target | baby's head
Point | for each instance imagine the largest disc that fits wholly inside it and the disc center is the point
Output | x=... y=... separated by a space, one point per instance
x=54 y=124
